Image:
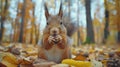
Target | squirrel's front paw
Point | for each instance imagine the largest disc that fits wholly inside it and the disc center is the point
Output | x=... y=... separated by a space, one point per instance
x=50 y=39
x=55 y=39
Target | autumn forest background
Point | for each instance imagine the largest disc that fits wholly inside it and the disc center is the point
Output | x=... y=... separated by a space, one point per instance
x=97 y=21
x=93 y=27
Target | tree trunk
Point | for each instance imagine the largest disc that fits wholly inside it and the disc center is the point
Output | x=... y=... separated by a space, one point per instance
x=78 y=32
x=106 y=29
x=3 y=17
x=22 y=23
x=1 y=30
x=118 y=19
x=119 y=37
x=69 y=11
x=37 y=32
x=90 y=32
x=16 y=26
x=1 y=24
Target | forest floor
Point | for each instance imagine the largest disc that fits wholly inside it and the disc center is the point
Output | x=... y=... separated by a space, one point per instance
x=24 y=55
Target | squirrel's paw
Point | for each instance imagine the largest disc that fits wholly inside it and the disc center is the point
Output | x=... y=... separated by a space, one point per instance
x=55 y=39
x=50 y=39
x=59 y=37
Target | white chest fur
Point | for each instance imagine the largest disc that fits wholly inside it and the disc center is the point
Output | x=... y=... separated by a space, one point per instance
x=54 y=54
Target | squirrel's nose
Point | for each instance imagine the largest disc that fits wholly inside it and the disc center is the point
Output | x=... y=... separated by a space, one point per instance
x=54 y=35
x=54 y=31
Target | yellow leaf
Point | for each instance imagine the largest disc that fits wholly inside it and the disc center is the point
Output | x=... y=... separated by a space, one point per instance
x=10 y=58
x=8 y=64
x=77 y=63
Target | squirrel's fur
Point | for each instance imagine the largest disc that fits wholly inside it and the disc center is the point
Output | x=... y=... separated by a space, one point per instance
x=55 y=44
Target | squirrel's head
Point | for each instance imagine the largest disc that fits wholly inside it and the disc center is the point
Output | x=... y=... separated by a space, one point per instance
x=54 y=23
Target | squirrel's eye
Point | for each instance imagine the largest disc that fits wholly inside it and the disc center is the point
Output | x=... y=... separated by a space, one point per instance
x=47 y=23
x=61 y=23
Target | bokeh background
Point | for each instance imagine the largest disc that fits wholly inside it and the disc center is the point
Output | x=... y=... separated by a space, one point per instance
x=96 y=21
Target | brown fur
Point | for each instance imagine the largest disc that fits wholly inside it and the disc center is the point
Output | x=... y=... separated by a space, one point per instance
x=54 y=50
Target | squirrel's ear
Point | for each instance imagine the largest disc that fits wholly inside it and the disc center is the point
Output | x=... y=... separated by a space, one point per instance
x=60 y=11
x=46 y=11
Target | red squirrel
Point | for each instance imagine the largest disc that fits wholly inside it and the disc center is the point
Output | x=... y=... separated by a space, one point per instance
x=54 y=43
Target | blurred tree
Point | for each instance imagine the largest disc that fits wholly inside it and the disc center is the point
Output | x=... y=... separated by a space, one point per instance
x=118 y=18
x=90 y=32
x=35 y=28
x=37 y=32
x=22 y=23
x=27 y=22
x=33 y=25
x=69 y=11
x=3 y=13
x=78 y=32
x=16 y=24
x=106 y=29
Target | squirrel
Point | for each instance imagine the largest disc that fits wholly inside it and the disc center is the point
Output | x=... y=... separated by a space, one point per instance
x=55 y=42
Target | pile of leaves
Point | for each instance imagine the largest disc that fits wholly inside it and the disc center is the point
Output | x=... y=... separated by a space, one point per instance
x=25 y=55
x=15 y=55
x=99 y=56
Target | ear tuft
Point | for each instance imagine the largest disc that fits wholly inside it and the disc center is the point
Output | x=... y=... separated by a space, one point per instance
x=46 y=11
x=60 y=11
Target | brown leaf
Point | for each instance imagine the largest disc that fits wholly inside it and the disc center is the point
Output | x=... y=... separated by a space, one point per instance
x=2 y=65
x=80 y=57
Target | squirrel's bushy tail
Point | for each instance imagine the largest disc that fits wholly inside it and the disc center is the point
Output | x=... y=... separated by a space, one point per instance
x=70 y=26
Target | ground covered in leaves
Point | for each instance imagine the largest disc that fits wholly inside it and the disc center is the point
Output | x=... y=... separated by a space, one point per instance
x=24 y=55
